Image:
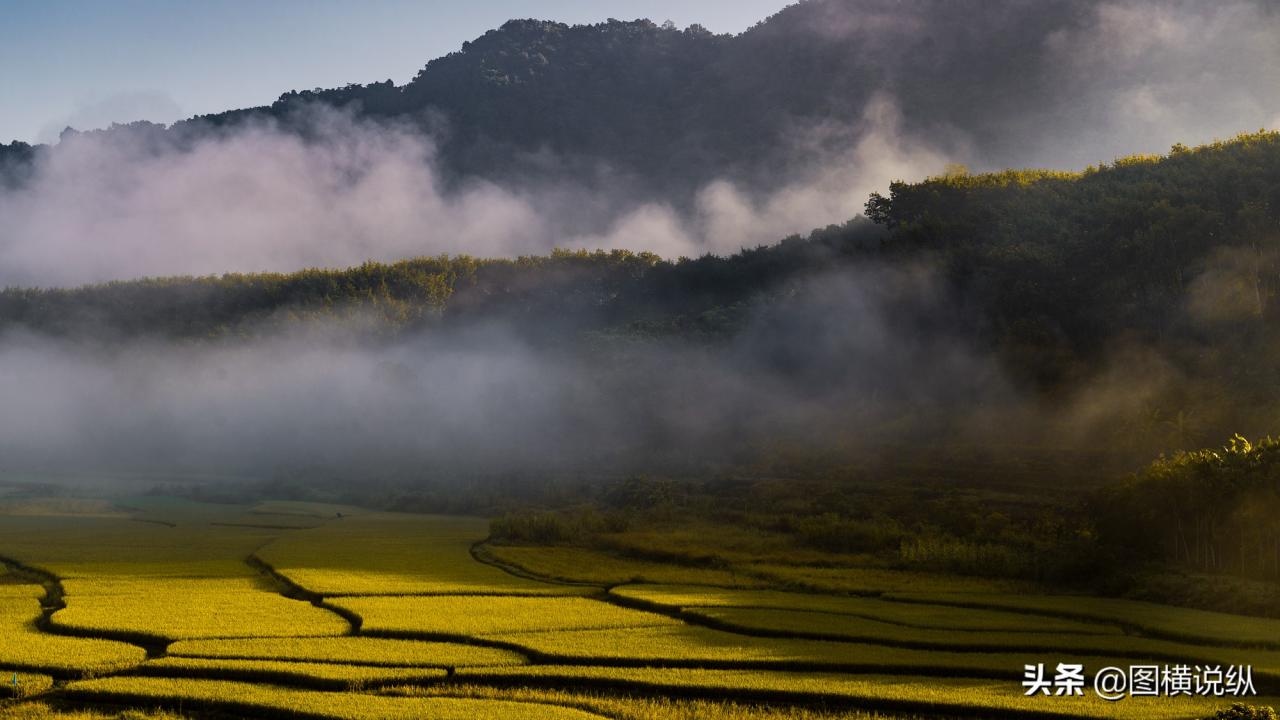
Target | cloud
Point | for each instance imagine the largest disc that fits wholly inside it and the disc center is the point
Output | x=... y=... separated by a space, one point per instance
x=135 y=202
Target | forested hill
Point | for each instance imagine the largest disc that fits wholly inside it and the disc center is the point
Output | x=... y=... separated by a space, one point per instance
x=1185 y=246
x=565 y=292
x=664 y=110
x=1181 y=252
x=541 y=97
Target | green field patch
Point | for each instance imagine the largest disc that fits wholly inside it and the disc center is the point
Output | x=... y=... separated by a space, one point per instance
x=210 y=568
x=779 y=560
x=318 y=674
x=942 y=617
x=356 y=650
x=184 y=608
x=690 y=645
x=481 y=615
x=180 y=511
x=807 y=624
x=397 y=554
x=872 y=580
x=269 y=522
x=24 y=647
x=305 y=509
x=696 y=646
x=1196 y=626
x=249 y=698
x=965 y=696
x=22 y=684
x=573 y=564
x=59 y=506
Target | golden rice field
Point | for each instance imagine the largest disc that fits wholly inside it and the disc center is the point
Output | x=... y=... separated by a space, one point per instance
x=392 y=554
x=349 y=649
x=854 y=629
x=24 y=684
x=489 y=615
x=1149 y=618
x=327 y=675
x=24 y=647
x=182 y=609
x=255 y=697
x=593 y=566
x=323 y=611
x=917 y=615
x=896 y=692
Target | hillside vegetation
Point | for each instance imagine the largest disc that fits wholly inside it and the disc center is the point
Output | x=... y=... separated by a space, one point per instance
x=666 y=110
x=1171 y=260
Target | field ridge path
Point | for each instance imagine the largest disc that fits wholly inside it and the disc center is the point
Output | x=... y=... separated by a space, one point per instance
x=294 y=591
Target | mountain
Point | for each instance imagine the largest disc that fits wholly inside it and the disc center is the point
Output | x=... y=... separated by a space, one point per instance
x=665 y=111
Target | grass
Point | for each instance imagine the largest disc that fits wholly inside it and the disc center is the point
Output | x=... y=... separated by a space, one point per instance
x=886 y=692
x=23 y=684
x=245 y=698
x=632 y=707
x=35 y=710
x=574 y=564
x=1196 y=626
x=940 y=617
x=482 y=615
x=37 y=506
x=181 y=608
x=361 y=650
x=317 y=674
x=24 y=647
x=396 y=554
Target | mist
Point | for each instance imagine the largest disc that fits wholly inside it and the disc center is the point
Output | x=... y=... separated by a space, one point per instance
x=853 y=358
x=119 y=205
x=1064 y=84
x=849 y=358
x=1061 y=84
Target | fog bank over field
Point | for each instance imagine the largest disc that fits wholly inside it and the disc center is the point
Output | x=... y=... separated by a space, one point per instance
x=841 y=361
x=851 y=358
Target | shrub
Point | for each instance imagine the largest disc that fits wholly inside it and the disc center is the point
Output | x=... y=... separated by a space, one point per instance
x=1240 y=711
x=551 y=527
x=833 y=533
x=948 y=554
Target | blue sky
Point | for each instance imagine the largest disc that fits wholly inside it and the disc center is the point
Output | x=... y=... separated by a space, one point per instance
x=87 y=63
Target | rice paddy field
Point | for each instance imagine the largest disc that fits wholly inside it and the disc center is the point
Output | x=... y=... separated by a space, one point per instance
x=163 y=608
